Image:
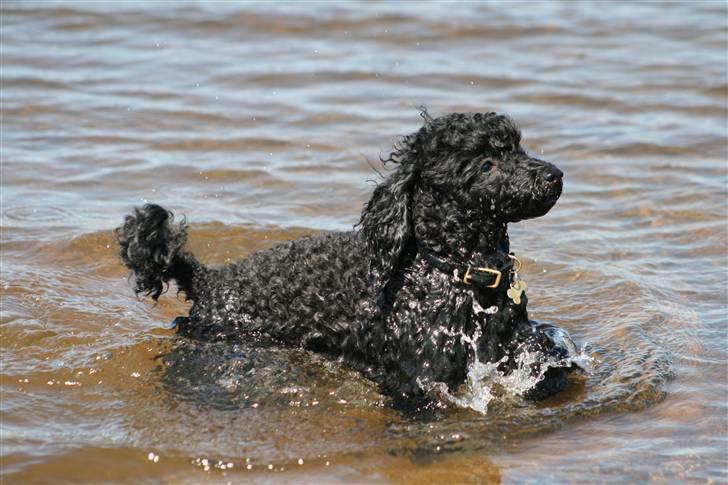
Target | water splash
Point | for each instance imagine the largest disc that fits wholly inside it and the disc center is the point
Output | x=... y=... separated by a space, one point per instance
x=484 y=382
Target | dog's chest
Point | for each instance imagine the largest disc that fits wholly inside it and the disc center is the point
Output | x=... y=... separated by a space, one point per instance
x=433 y=323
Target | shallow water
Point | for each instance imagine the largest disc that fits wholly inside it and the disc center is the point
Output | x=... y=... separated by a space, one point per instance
x=258 y=123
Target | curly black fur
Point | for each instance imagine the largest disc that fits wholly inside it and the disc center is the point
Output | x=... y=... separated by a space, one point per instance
x=390 y=298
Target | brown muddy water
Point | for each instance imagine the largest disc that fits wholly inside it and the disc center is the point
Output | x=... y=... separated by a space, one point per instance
x=257 y=122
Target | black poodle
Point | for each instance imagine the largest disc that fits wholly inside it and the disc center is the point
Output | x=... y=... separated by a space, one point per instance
x=425 y=286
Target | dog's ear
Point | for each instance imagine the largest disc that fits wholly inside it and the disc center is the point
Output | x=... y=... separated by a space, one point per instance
x=386 y=223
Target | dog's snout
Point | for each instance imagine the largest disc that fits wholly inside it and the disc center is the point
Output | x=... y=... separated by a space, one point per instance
x=553 y=173
x=545 y=170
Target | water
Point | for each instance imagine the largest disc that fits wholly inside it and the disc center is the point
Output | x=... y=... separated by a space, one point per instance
x=257 y=122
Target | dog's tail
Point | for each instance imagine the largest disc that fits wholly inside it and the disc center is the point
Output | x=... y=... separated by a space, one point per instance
x=151 y=247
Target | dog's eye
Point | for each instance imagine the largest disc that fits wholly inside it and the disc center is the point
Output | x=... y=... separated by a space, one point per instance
x=487 y=166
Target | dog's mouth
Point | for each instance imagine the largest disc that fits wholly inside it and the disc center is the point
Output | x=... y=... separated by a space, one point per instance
x=553 y=191
x=541 y=202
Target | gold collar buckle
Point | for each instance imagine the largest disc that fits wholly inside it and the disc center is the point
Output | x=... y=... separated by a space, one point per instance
x=468 y=276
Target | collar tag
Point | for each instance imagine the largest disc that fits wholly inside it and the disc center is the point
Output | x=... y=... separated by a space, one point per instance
x=516 y=289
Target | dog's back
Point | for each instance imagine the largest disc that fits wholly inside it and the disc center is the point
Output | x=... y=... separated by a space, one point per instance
x=304 y=292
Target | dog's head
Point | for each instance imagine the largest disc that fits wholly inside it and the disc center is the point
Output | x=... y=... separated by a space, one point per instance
x=477 y=161
x=460 y=172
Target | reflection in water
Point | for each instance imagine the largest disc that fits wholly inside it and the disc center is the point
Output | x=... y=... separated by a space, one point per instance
x=257 y=121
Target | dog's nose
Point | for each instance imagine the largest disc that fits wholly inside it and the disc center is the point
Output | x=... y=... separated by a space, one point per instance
x=553 y=174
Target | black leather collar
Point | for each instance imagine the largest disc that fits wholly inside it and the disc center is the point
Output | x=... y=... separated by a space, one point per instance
x=487 y=275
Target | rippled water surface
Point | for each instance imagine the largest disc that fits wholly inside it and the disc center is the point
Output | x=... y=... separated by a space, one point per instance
x=259 y=122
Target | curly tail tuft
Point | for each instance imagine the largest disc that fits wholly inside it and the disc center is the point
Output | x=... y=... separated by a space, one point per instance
x=150 y=246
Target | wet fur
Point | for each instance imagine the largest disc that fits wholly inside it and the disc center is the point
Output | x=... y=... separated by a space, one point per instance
x=370 y=296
